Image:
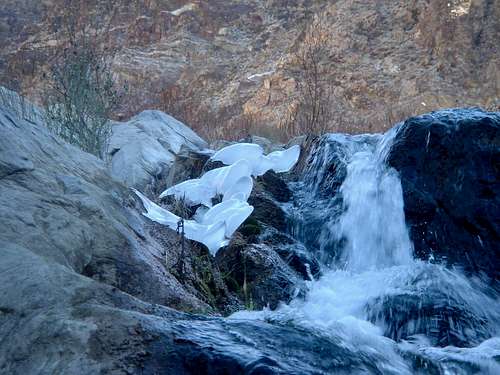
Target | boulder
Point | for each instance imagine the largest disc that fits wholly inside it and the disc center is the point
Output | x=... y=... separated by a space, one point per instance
x=443 y=320
x=294 y=253
x=267 y=145
x=143 y=149
x=60 y=204
x=449 y=163
x=273 y=184
x=258 y=274
x=187 y=164
x=267 y=211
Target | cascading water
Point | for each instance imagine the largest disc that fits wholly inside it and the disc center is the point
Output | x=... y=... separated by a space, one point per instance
x=405 y=315
x=373 y=223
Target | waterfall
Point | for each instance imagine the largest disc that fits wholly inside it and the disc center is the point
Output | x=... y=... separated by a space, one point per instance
x=373 y=223
x=373 y=295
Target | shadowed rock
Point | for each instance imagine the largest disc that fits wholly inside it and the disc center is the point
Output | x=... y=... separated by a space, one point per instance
x=449 y=167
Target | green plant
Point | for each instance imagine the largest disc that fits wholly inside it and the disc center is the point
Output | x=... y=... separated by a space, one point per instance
x=81 y=90
x=202 y=267
x=251 y=227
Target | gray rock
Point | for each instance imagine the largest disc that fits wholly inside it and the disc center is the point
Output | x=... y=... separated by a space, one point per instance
x=20 y=106
x=267 y=145
x=60 y=203
x=69 y=234
x=220 y=143
x=145 y=147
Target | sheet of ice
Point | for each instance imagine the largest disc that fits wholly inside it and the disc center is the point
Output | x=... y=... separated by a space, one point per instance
x=241 y=189
x=284 y=161
x=156 y=213
x=278 y=161
x=214 y=226
x=232 y=212
x=224 y=178
x=212 y=235
x=233 y=153
x=222 y=181
x=193 y=192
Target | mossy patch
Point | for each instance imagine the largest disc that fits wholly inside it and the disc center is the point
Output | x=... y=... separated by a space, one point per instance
x=251 y=227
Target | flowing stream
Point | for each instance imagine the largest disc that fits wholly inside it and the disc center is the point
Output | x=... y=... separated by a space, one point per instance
x=374 y=297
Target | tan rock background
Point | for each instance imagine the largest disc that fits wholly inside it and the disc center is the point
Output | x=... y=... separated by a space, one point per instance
x=388 y=58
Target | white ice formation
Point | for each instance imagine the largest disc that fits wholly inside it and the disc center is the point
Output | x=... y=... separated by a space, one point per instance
x=214 y=225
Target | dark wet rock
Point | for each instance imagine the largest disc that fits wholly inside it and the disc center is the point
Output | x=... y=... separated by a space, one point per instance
x=293 y=253
x=306 y=143
x=438 y=304
x=258 y=274
x=267 y=211
x=259 y=348
x=443 y=320
x=449 y=167
x=212 y=164
x=275 y=186
x=325 y=167
x=251 y=229
x=321 y=171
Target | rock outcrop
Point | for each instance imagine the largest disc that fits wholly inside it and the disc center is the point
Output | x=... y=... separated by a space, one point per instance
x=60 y=205
x=143 y=149
x=89 y=285
x=449 y=163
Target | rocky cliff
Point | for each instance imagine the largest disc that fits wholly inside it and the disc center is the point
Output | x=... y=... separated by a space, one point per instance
x=387 y=59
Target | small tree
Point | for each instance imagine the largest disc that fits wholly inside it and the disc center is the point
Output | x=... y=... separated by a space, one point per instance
x=81 y=93
x=313 y=111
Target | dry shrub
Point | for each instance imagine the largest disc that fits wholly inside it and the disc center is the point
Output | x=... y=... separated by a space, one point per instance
x=313 y=108
x=81 y=93
x=211 y=125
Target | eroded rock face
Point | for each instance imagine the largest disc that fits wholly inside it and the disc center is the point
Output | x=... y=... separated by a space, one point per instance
x=60 y=204
x=449 y=167
x=233 y=56
x=143 y=149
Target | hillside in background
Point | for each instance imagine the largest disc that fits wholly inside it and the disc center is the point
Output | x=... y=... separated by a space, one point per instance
x=227 y=63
